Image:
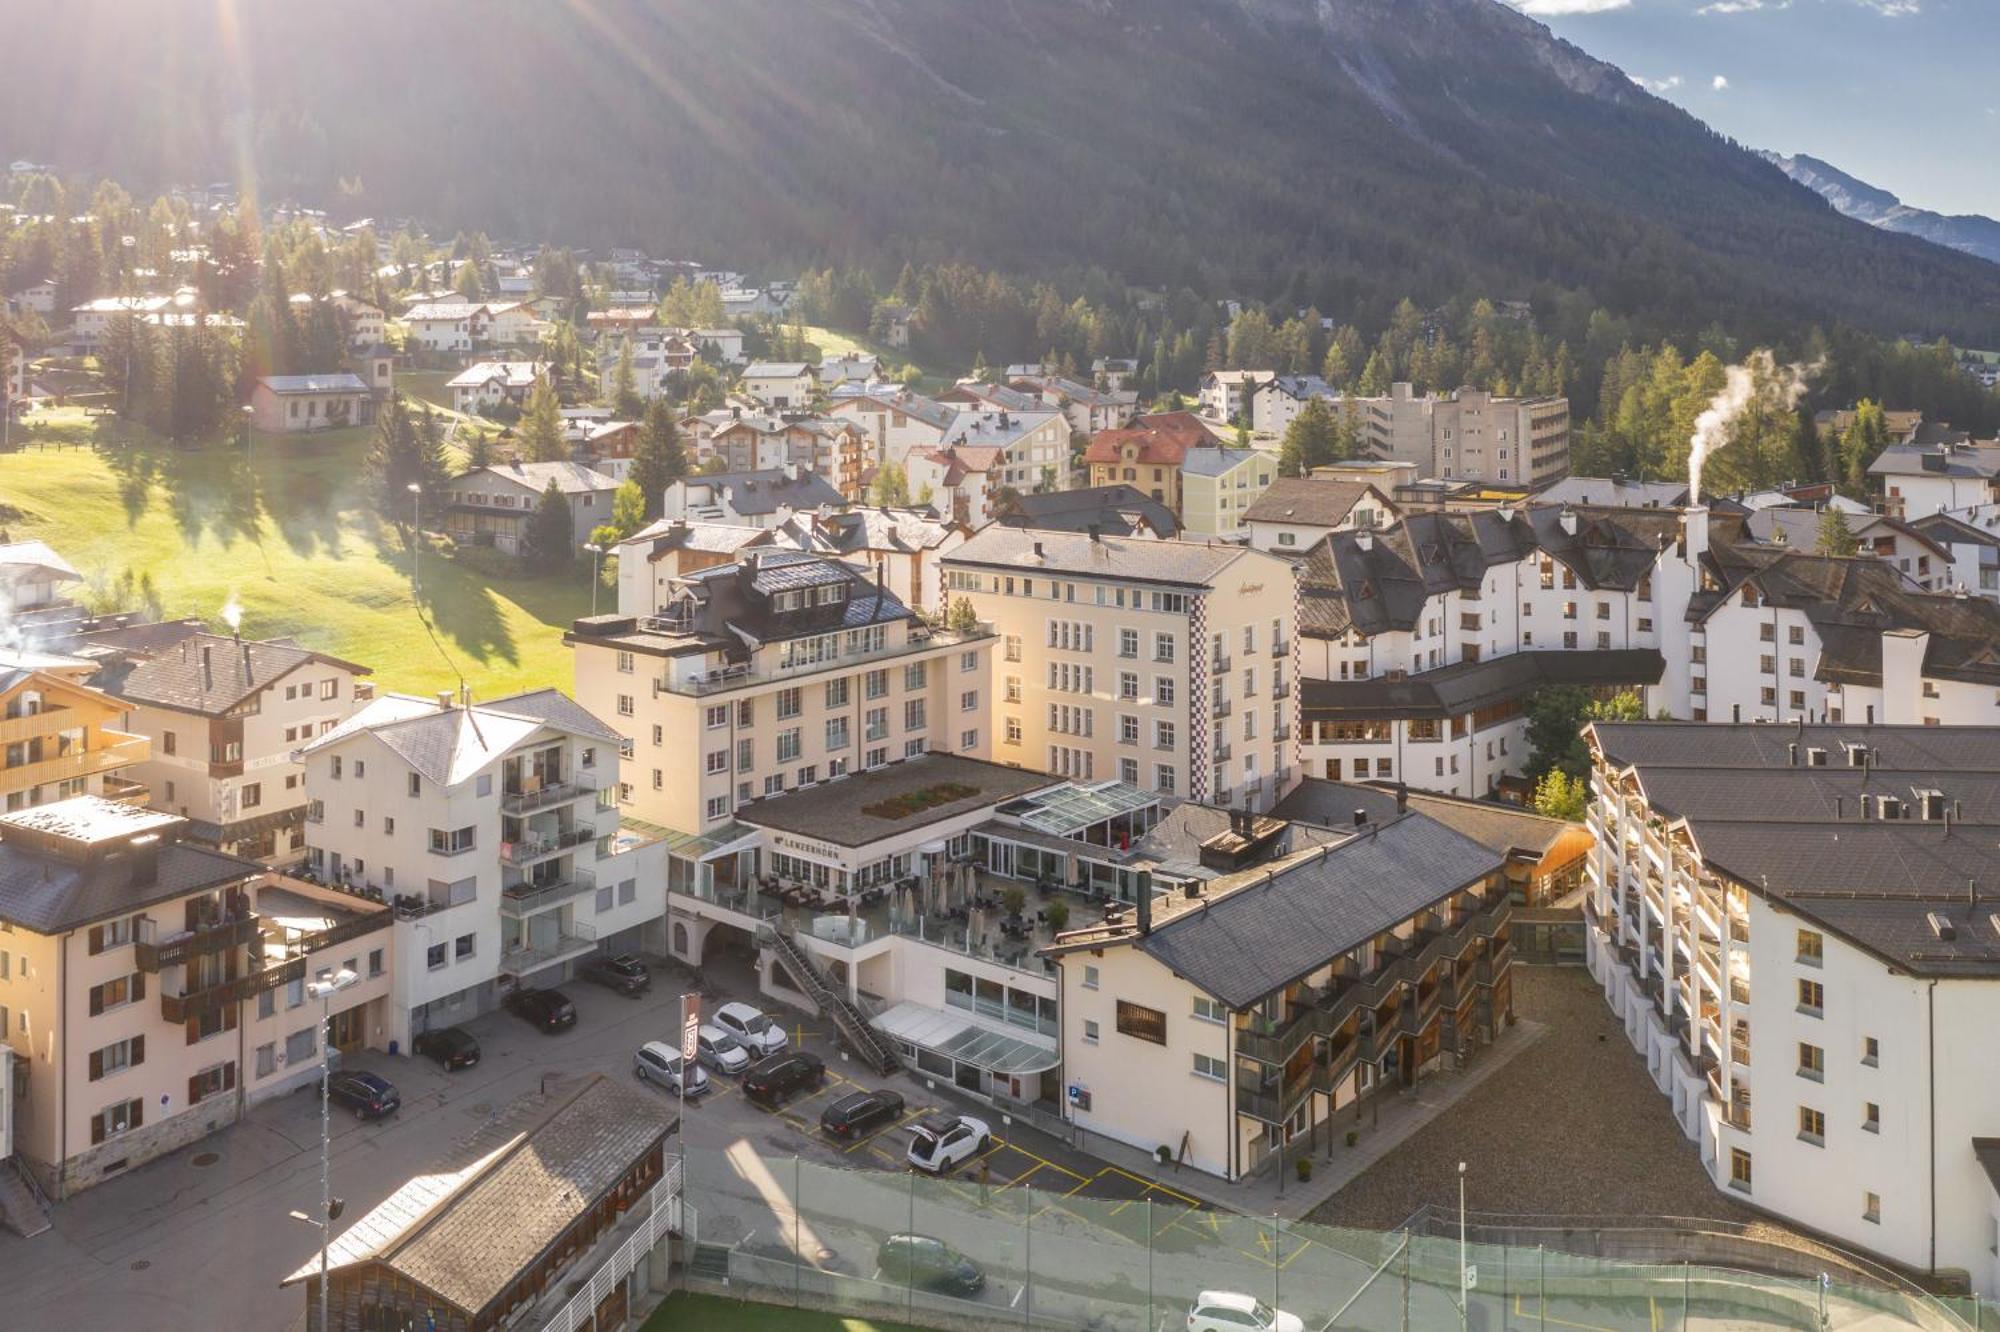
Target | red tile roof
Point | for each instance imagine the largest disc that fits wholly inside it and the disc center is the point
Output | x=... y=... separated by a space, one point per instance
x=1162 y=439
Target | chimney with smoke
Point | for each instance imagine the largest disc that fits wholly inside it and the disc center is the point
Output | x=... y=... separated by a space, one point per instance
x=1760 y=380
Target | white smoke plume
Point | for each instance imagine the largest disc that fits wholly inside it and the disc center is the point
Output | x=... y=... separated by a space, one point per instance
x=1760 y=377
x=232 y=613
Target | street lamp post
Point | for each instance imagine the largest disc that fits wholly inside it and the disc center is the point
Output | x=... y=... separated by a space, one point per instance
x=323 y=989
x=416 y=540
x=1464 y=1282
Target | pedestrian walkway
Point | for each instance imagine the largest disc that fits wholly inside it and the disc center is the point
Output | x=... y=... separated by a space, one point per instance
x=1386 y=1122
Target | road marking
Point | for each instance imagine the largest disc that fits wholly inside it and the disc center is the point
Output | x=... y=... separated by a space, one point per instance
x=1022 y=1177
x=1015 y=1303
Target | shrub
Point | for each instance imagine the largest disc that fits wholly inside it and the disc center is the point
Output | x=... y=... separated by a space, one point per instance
x=1352 y=1137
x=1058 y=912
x=1304 y=1165
x=1014 y=899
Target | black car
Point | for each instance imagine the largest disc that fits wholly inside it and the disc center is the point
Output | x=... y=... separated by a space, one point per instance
x=451 y=1047
x=368 y=1095
x=550 y=1010
x=771 y=1080
x=623 y=973
x=919 y=1260
x=852 y=1116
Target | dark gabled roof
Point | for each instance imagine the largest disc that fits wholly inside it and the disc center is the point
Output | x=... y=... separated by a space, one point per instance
x=51 y=894
x=1258 y=931
x=212 y=673
x=468 y=1231
x=1938 y=451
x=1455 y=690
x=1795 y=833
x=1307 y=501
x=767 y=491
x=1615 y=492
x=1950 y=530
x=1114 y=510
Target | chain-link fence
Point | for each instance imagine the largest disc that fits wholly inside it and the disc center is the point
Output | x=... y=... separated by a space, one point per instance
x=955 y=1253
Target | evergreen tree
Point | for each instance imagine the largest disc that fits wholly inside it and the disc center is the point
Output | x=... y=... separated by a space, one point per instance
x=1311 y=440
x=550 y=545
x=541 y=426
x=478 y=450
x=658 y=460
x=1836 y=536
x=392 y=464
x=1377 y=375
x=625 y=400
x=891 y=488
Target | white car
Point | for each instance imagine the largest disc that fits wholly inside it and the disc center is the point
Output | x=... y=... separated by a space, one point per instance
x=660 y=1064
x=717 y=1049
x=759 y=1035
x=1228 y=1311
x=940 y=1142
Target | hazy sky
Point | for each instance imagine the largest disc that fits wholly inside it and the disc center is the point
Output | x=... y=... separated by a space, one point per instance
x=1901 y=93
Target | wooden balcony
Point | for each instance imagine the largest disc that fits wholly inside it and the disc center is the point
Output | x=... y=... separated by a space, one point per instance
x=178 y=949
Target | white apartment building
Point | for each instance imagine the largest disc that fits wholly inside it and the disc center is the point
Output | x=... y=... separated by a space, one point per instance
x=1277 y=402
x=783 y=386
x=1470 y=435
x=1227 y=395
x=493 y=831
x=1421 y=643
x=1918 y=480
x=1166 y=665
x=1790 y=922
x=1295 y=513
x=895 y=425
x=225 y=717
x=775 y=670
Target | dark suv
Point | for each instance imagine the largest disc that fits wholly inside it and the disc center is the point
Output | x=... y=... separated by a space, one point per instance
x=770 y=1081
x=623 y=973
x=852 y=1116
x=452 y=1047
x=919 y=1260
x=368 y=1095
x=549 y=1010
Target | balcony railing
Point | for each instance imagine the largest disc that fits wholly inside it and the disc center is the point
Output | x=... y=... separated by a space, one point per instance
x=1218 y=665
x=574 y=941
x=531 y=849
x=176 y=950
x=525 y=899
x=80 y=762
x=1221 y=709
x=549 y=796
x=739 y=677
x=1329 y=1009
x=1281 y=647
x=213 y=998
x=1281 y=692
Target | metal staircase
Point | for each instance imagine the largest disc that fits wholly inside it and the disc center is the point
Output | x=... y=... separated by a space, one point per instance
x=875 y=1051
x=23 y=1209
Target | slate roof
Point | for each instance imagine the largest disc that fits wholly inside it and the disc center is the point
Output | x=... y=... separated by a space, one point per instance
x=50 y=893
x=468 y=1230
x=287 y=384
x=1796 y=834
x=180 y=677
x=996 y=429
x=767 y=491
x=1215 y=462
x=1976 y=461
x=1948 y=530
x=448 y=745
x=1029 y=550
x=1615 y=492
x=1497 y=827
x=37 y=555
x=776 y=370
x=1466 y=686
x=862 y=531
x=670 y=534
x=1307 y=501
x=514 y=374
x=1263 y=928
x=1114 y=510
x=571 y=478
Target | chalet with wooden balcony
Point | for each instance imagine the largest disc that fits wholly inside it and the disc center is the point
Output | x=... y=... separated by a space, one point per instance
x=589 y=1198
x=222 y=715
x=1237 y=1015
x=59 y=737
x=152 y=988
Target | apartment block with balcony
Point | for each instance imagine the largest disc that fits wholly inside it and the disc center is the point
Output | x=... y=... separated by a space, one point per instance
x=1794 y=926
x=61 y=738
x=1229 y=1019
x=153 y=988
x=223 y=717
x=777 y=670
x=492 y=830
x=1166 y=665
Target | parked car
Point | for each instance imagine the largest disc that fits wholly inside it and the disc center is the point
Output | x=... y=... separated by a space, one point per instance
x=770 y=1081
x=852 y=1116
x=919 y=1260
x=623 y=973
x=941 y=1141
x=549 y=1010
x=1229 y=1311
x=660 y=1064
x=716 y=1049
x=368 y=1095
x=451 y=1047
x=759 y=1034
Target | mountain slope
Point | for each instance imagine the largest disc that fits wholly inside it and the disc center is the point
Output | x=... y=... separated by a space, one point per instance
x=1966 y=232
x=1342 y=152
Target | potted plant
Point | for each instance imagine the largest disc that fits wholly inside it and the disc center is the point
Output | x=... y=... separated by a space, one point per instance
x=1305 y=1169
x=1058 y=914
x=1352 y=1137
x=1013 y=899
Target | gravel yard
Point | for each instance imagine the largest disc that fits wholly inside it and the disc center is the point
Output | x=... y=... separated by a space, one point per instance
x=1571 y=1126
